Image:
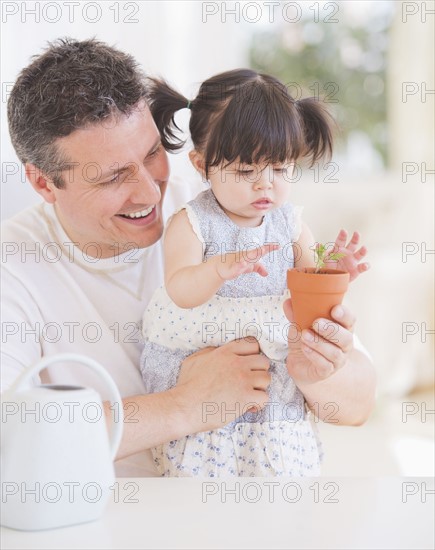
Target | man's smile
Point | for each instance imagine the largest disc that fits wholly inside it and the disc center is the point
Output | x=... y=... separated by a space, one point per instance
x=141 y=217
x=139 y=213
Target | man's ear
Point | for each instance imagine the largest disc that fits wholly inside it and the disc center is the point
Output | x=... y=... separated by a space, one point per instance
x=197 y=160
x=41 y=183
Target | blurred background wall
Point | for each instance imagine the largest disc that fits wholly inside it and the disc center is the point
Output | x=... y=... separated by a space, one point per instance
x=372 y=63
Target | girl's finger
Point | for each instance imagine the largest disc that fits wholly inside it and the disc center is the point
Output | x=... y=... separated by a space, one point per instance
x=260 y=269
x=340 y=241
x=363 y=267
x=254 y=254
x=353 y=243
x=359 y=254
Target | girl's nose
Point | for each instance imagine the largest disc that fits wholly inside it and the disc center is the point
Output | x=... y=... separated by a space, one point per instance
x=264 y=181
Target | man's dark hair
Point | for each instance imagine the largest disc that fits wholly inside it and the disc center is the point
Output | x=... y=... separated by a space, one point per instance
x=71 y=85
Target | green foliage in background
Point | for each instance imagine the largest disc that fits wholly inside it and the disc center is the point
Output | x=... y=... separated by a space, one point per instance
x=343 y=64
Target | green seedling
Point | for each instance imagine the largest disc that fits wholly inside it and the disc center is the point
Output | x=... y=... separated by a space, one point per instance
x=322 y=256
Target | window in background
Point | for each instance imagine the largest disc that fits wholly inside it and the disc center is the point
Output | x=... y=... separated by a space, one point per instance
x=336 y=51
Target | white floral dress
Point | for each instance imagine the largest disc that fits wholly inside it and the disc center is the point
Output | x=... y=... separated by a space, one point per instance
x=281 y=439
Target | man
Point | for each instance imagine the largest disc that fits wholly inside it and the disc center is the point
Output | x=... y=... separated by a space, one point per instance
x=78 y=269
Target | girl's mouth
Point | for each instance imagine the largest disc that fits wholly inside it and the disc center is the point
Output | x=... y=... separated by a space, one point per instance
x=262 y=204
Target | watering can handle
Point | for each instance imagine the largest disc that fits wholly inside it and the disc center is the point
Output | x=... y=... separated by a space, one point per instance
x=115 y=396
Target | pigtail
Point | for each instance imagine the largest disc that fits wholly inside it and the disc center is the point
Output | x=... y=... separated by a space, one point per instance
x=164 y=102
x=318 y=125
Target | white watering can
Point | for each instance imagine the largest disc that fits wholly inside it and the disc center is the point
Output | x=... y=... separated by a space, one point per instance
x=56 y=458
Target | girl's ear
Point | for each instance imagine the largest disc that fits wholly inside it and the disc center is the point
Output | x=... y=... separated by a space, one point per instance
x=197 y=160
x=41 y=183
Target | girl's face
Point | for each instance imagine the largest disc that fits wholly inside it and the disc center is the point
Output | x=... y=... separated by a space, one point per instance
x=247 y=192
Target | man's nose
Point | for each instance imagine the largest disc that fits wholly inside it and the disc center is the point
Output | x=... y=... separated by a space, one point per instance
x=145 y=189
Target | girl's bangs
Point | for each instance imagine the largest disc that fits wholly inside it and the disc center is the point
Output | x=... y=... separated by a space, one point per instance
x=255 y=130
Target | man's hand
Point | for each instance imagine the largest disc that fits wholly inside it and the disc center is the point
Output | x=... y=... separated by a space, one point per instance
x=217 y=385
x=320 y=352
x=330 y=372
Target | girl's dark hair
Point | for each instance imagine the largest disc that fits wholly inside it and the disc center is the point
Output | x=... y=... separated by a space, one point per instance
x=71 y=85
x=244 y=115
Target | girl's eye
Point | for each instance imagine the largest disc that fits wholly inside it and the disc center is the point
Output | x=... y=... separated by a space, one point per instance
x=244 y=169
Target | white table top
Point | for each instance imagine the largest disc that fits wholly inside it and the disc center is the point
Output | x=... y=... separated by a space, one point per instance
x=361 y=513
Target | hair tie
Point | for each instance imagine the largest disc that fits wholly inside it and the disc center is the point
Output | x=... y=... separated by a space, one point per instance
x=188 y=105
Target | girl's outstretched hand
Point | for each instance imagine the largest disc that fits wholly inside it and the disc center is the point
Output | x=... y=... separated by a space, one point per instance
x=351 y=261
x=230 y=266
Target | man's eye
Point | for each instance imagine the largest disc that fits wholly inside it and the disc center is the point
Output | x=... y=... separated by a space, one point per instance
x=156 y=151
x=115 y=179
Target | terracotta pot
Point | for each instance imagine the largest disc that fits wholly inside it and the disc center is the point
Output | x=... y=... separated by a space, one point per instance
x=315 y=294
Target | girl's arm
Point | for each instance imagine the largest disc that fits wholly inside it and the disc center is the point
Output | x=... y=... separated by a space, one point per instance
x=191 y=281
x=303 y=248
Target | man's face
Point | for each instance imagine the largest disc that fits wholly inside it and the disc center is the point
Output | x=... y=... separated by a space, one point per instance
x=113 y=196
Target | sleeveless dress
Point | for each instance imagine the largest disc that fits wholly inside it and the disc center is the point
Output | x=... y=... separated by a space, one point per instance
x=279 y=440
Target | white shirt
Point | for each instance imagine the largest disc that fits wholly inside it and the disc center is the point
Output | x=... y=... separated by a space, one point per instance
x=55 y=299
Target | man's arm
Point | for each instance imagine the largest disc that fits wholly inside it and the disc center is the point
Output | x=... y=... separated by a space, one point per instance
x=346 y=398
x=215 y=385
x=338 y=381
